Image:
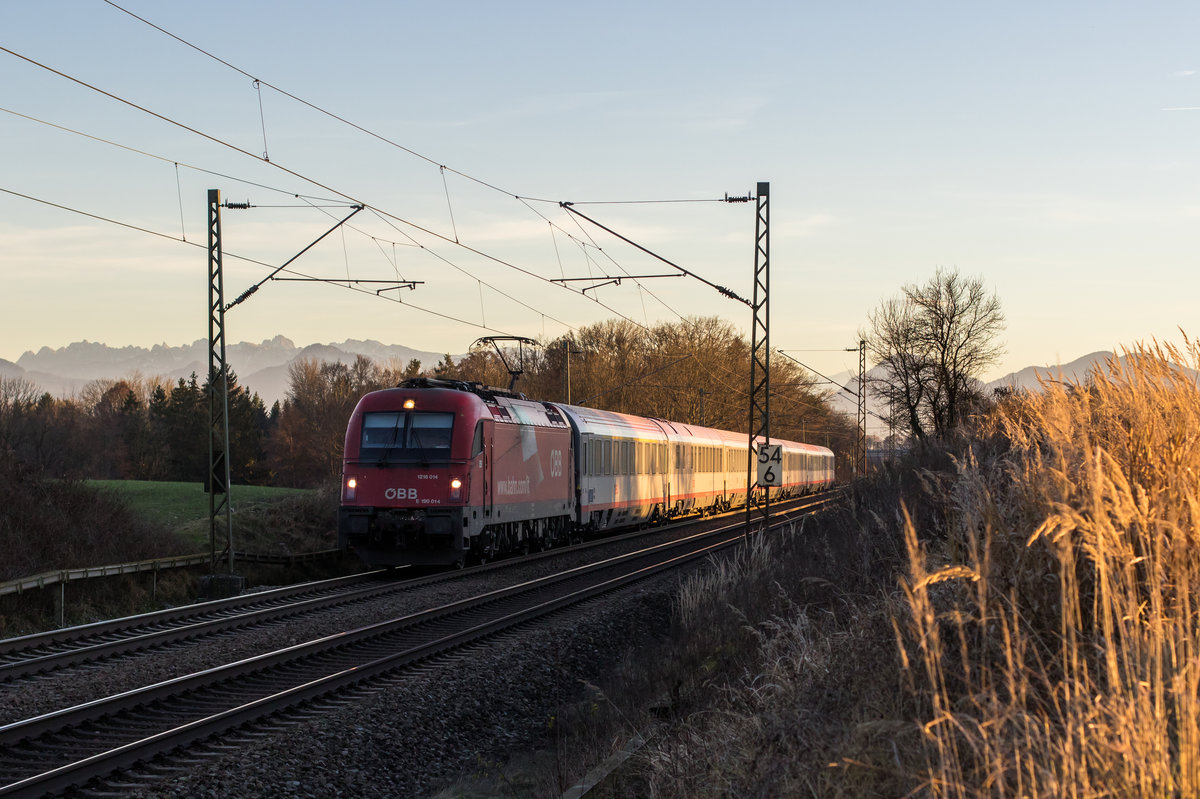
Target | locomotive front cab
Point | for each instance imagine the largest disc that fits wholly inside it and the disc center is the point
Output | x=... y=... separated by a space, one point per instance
x=406 y=477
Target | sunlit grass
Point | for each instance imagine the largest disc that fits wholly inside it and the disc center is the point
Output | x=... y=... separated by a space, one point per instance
x=1054 y=637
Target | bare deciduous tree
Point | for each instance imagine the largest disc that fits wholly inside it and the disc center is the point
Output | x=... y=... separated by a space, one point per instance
x=933 y=342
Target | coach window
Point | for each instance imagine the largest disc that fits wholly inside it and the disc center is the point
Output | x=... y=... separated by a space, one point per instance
x=597 y=457
x=606 y=448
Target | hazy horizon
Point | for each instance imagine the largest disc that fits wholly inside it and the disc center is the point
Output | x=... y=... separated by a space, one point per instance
x=1049 y=149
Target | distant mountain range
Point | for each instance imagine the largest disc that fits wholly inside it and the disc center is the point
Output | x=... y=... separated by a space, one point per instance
x=261 y=368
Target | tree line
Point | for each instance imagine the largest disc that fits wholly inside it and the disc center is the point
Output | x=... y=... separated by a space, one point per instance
x=694 y=371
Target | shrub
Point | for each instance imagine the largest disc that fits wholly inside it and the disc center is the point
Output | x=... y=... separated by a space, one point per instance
x=48 y=524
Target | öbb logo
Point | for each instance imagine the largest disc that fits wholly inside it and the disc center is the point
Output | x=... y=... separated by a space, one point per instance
x=400 y=493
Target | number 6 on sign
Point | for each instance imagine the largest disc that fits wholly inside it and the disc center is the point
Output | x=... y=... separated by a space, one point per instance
x=770 y=465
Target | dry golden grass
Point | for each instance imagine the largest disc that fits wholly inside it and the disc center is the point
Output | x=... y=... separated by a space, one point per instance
x=1041 y=641
x=1055 y=643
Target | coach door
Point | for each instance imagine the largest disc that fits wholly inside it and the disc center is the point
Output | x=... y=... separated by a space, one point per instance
x=489 y=438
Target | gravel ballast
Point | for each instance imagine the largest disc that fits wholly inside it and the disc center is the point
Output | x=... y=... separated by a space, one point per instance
x=452 y=720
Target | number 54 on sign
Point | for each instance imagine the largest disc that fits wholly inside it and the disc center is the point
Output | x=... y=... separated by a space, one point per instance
x=770 y=465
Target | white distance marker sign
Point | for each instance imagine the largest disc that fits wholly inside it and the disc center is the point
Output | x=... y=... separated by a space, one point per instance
x=770 y=466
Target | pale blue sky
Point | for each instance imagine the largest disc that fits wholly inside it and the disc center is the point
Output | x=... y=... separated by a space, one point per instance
x=1029 y=143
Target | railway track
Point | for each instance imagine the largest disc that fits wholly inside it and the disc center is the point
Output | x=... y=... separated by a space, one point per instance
x=32 y=655
x=53 y=752
x=54 y=649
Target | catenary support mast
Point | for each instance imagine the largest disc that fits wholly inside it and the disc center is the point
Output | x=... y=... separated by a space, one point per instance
x=860 y=452
x=220 y=513
x=760 y=360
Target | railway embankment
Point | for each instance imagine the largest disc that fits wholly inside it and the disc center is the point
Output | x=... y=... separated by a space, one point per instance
x=62 y=528
x=1014 y=614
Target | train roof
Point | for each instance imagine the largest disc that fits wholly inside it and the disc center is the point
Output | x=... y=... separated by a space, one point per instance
x=593 y=420
x=503 y=406
x=612 y=423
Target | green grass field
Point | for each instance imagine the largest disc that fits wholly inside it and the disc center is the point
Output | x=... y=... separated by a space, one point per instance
x=176 y=505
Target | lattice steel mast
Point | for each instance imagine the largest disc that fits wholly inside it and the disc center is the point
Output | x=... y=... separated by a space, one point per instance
x=760 y=358
x=860 y=466
x=220 y=513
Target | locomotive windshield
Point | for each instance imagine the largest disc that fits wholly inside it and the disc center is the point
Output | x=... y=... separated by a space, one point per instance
x=394 y=433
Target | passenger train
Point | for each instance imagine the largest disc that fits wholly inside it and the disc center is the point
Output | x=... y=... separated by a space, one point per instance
x=439 y=472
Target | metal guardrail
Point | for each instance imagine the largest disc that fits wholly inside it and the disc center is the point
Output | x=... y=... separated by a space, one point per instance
x=46 y=579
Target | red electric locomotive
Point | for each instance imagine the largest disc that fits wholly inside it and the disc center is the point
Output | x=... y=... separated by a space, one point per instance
x=437 y=470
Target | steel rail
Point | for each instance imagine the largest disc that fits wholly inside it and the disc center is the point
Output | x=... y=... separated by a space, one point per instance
x=182 y=613
x=57 y=649
x=339 y=665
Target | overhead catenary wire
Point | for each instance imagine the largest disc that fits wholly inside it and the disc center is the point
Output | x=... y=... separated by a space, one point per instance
x=720 y=289
x=378 y=211
x=318 y=184
x=249 y=260
x=156 y=157
x=258 y=83
x=422 y=309
x=308 y=104
x=834 y=382
x=524 y=199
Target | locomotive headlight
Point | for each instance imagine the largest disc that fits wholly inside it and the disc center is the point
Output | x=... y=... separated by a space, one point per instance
x=350 y=490
x=455 y=488
x=409 y=404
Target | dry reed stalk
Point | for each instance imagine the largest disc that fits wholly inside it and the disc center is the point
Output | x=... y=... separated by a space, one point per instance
x=1057 y=653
